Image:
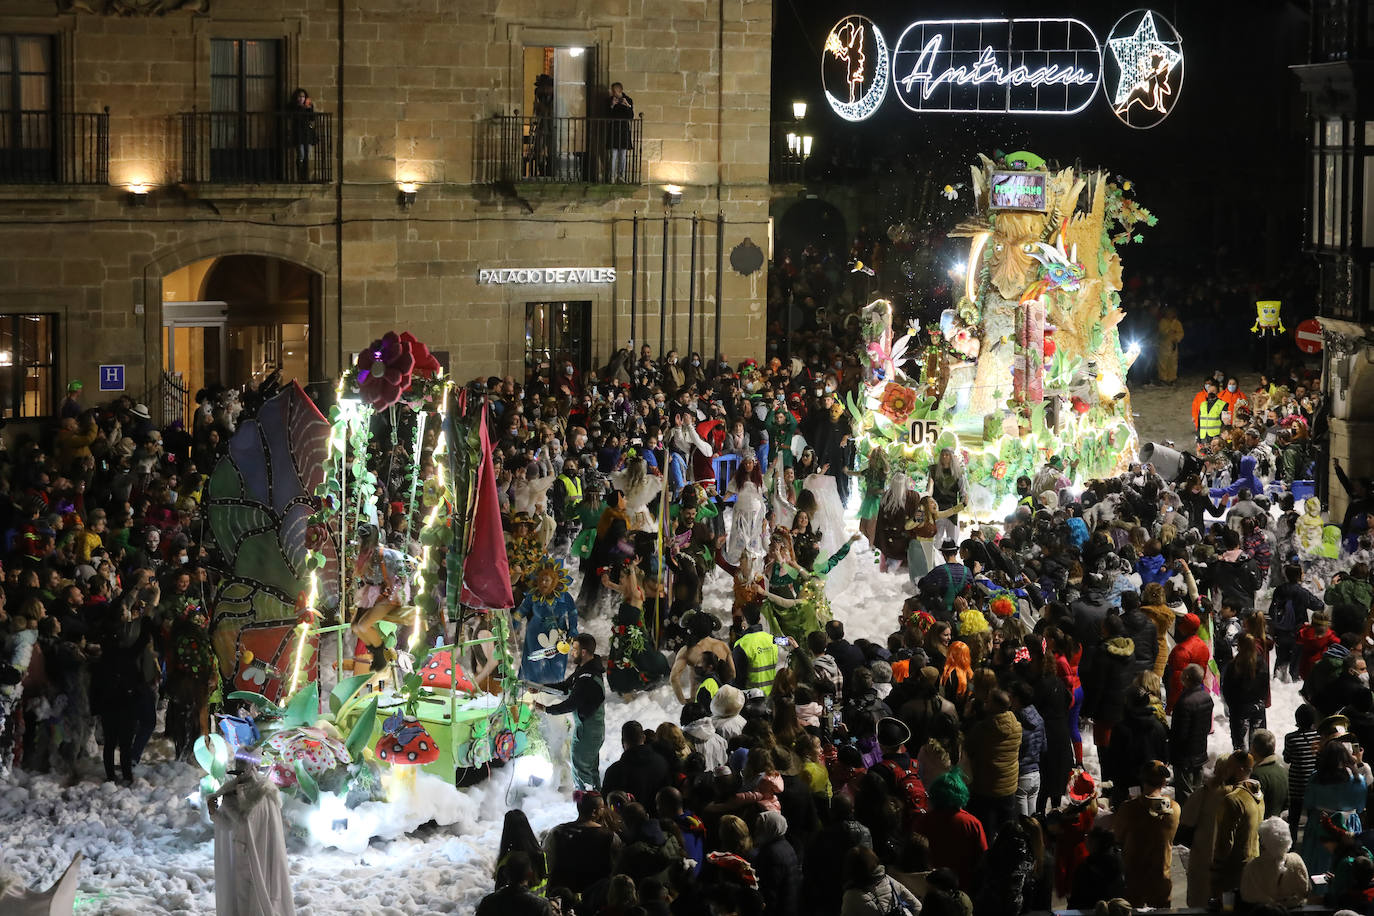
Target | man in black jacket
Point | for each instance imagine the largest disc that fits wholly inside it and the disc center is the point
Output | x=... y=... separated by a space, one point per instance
x=586 y=701
x=1141 y=630
x=847 y=656
x=1188 y=733
x=641 y=770
x=580 y=853
x=1139 y=738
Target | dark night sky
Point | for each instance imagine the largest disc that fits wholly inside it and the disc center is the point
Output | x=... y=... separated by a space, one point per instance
x=1225 y=169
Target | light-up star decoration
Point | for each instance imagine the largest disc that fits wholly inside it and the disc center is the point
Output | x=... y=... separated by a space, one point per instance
x=1147 y=64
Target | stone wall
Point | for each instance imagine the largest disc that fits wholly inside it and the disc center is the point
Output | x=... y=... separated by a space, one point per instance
x=409 y=85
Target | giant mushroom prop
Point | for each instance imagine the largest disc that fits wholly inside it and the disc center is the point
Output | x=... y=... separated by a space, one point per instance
x=405 y=745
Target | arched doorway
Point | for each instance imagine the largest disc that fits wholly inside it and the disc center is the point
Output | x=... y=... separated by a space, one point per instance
x=235 y=319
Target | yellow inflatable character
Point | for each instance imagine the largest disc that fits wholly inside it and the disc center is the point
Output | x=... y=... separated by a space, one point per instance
x=1267 y=320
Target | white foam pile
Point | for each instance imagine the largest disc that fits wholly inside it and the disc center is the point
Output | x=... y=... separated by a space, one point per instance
x=149 y=850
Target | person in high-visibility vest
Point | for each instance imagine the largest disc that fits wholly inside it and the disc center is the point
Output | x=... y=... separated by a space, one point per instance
x=755 y=653
x=1209 y=416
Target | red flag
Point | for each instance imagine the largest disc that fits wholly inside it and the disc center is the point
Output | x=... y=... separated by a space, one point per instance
x=486 y=572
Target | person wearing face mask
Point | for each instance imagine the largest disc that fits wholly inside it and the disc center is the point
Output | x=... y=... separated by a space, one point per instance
x=1235 y=398
x=671 y=376
x=1208 y=417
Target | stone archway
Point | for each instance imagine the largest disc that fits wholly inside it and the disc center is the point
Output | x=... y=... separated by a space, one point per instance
x=316 y=259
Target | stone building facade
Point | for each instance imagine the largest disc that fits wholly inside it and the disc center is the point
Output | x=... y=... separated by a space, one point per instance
x=431 y=159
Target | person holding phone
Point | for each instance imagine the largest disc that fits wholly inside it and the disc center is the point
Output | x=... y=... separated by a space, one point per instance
x=620 y=140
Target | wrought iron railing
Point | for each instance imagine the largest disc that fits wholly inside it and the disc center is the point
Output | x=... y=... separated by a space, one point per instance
x=571 y=150
x=788 y=152
x=285 y=147
x=46 y=147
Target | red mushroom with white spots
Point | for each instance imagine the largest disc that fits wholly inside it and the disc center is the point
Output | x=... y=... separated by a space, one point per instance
x=406 y=743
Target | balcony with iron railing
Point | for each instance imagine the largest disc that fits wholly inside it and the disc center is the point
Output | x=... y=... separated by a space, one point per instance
x=284 y=147
x=516 y=148
x=52 y=148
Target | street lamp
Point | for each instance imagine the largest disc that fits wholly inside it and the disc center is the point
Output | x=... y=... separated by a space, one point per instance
x=806 y=146
x=793 y=144
x=798 y=110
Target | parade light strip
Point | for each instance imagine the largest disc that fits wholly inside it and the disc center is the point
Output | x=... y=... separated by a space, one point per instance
x=430 y=519
x=302 y=632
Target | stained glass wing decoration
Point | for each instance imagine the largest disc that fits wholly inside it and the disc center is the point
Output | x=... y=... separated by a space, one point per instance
x=260 y=497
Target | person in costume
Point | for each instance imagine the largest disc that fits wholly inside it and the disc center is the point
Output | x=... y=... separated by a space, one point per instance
x=640 y=487
x=548 y=621
x=872 y=484
x=634 y=663
x=746 y=526
x=523 y=552
x=923 y=526
x=781 y=485
x=895 y=523
x=782 y=429
x=381 y=592
x=704 y=655
x=611 y=529
x=1309 y=527
x=689 y=551
x=794 y=573
x=950 y=489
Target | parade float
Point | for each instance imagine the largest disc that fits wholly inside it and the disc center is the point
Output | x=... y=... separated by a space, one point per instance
x=1026 y=364
x=285 y=507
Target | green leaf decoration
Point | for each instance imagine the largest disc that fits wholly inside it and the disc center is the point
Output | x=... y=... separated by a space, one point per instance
x=303 y=708
x=309 y=788
x=266 y=706
x=345 y=690
x=361 y=732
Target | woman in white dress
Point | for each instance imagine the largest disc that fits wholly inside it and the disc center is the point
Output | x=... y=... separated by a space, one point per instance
x=747 y=516
x=640 y=489
x=782 y=494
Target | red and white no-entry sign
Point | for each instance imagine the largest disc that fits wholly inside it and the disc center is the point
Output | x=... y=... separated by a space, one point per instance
x=1308 y=335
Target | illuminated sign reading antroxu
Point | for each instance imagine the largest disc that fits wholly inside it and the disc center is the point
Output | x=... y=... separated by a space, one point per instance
x=1050 y=66
x=1001 y=66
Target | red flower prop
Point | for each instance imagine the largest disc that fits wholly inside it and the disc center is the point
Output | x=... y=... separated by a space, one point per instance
x=426 y=365
x=384 y=369
x=897 y=402
x=1080 y=405
x=999 y=470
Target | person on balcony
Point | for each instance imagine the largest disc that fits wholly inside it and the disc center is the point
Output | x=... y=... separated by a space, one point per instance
x=620 y=132
x=303 y=133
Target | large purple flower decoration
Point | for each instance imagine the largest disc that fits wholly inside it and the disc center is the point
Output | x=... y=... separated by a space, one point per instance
x=384 y=368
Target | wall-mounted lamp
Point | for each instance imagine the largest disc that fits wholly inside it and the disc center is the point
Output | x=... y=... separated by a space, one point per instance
x=138 y=194
x=793 y=144
x=806 y=146
x=406 y=198
x=798 y=110
x=575 y=52
x=672 y=195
